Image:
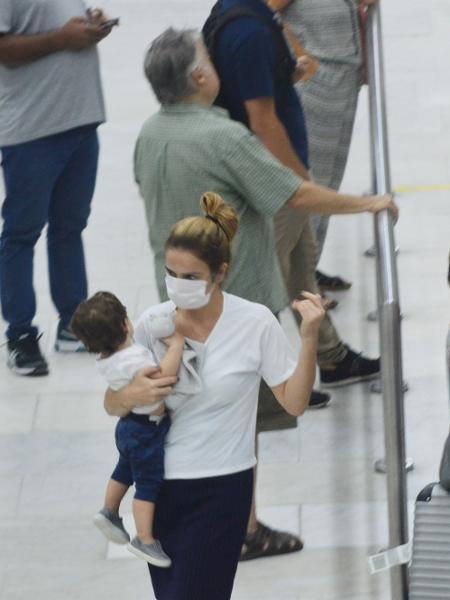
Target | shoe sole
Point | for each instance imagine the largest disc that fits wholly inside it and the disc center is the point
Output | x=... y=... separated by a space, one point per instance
x=318 y=405
x=28 y=371
x=67 y=347
x=349 y=381
x=156 y=562
x=110 y=531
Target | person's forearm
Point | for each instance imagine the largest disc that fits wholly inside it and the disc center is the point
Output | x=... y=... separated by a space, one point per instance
x=170 y=364
x=298 y=387
x=117 y=404
x=19 y=49
x=275 y=139
x=317 y=199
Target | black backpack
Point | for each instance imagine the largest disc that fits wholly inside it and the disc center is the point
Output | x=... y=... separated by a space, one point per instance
x=218 y=19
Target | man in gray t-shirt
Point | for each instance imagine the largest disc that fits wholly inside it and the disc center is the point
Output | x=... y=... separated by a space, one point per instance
x=51 y=103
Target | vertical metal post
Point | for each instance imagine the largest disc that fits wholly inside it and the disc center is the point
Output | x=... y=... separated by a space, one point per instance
x=388 y=310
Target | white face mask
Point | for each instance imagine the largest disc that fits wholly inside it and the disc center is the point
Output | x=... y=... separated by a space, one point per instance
x=187 y=293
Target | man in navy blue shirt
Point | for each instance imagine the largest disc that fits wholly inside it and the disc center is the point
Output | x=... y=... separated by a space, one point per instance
x=257 y=72
x=251 y=89
x=246 y=60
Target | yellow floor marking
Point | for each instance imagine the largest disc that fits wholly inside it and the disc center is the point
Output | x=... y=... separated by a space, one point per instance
x=411 y=189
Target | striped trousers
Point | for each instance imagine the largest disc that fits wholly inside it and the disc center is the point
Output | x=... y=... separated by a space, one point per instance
x=329 y=102
x=201 y=524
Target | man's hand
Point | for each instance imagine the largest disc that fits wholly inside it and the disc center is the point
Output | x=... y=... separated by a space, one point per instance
x=278 y=4
x=305 y=68
x=78 y=34
x=379 y=203
x=312 y=313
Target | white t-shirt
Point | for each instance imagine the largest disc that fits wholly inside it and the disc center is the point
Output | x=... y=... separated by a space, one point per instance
x=213 y=432
x=120 y=368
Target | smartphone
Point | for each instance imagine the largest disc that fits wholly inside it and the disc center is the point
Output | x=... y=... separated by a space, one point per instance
x=110 y=23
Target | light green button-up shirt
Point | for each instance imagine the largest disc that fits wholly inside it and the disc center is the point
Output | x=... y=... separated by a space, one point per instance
x=187 y=149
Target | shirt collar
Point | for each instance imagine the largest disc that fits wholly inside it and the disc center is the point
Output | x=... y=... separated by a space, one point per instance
x=189 y=108
x=259 y=6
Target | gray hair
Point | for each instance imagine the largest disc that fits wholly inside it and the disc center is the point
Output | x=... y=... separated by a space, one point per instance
x=169 y=63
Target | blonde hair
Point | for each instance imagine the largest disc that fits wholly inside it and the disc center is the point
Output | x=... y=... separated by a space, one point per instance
x=208 y=237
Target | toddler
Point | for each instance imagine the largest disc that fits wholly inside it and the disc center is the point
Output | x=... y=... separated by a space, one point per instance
x=101 y=323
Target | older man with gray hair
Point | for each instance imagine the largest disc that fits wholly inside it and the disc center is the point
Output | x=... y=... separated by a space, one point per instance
x=190 y=147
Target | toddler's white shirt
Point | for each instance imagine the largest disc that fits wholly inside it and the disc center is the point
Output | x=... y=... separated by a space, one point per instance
x=120 y=368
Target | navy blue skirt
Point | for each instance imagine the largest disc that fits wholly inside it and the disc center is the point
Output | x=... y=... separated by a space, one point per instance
x=201 y=524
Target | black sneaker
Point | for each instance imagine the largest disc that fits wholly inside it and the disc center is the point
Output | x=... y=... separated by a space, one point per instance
x=318 y=399
x=331 y=283
x=66 y=341
x=25 y=357
x=353 y=367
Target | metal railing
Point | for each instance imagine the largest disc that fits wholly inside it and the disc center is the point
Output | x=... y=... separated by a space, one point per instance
x=388 y=310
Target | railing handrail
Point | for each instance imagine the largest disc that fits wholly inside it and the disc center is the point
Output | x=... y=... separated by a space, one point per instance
x=388 y=309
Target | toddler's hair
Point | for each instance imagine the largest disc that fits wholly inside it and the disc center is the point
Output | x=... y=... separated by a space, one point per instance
x=99 y=322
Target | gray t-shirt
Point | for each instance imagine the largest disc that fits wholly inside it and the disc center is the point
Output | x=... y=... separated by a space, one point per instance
x=53 y=94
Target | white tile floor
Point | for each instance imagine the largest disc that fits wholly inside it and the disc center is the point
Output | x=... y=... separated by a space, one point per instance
x=56 y=445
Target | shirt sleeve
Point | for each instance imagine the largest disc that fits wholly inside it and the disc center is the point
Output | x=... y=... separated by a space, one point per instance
x=254 y=172
x=6 y=17
x=141 y=334
x=255 y=49
x=277 y=357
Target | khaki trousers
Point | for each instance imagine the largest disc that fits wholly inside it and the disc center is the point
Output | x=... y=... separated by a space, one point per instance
x=297 y=253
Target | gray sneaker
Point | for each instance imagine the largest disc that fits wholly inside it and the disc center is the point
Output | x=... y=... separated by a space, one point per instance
x=152 y=553
x=111 y=525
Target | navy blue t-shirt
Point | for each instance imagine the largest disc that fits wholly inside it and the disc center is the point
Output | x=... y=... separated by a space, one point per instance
x=245 y=60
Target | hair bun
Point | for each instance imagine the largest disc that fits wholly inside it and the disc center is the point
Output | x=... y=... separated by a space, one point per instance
x=214 y=206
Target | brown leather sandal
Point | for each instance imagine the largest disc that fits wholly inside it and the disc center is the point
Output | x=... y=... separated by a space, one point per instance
x=269 y=542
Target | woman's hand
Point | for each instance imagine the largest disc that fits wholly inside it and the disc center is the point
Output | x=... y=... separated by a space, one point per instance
x=146 y=388
x=379 y=203
x=294 y=393
x=312 y=313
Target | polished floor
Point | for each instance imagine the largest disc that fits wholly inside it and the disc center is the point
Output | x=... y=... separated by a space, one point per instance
x=56 y=443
